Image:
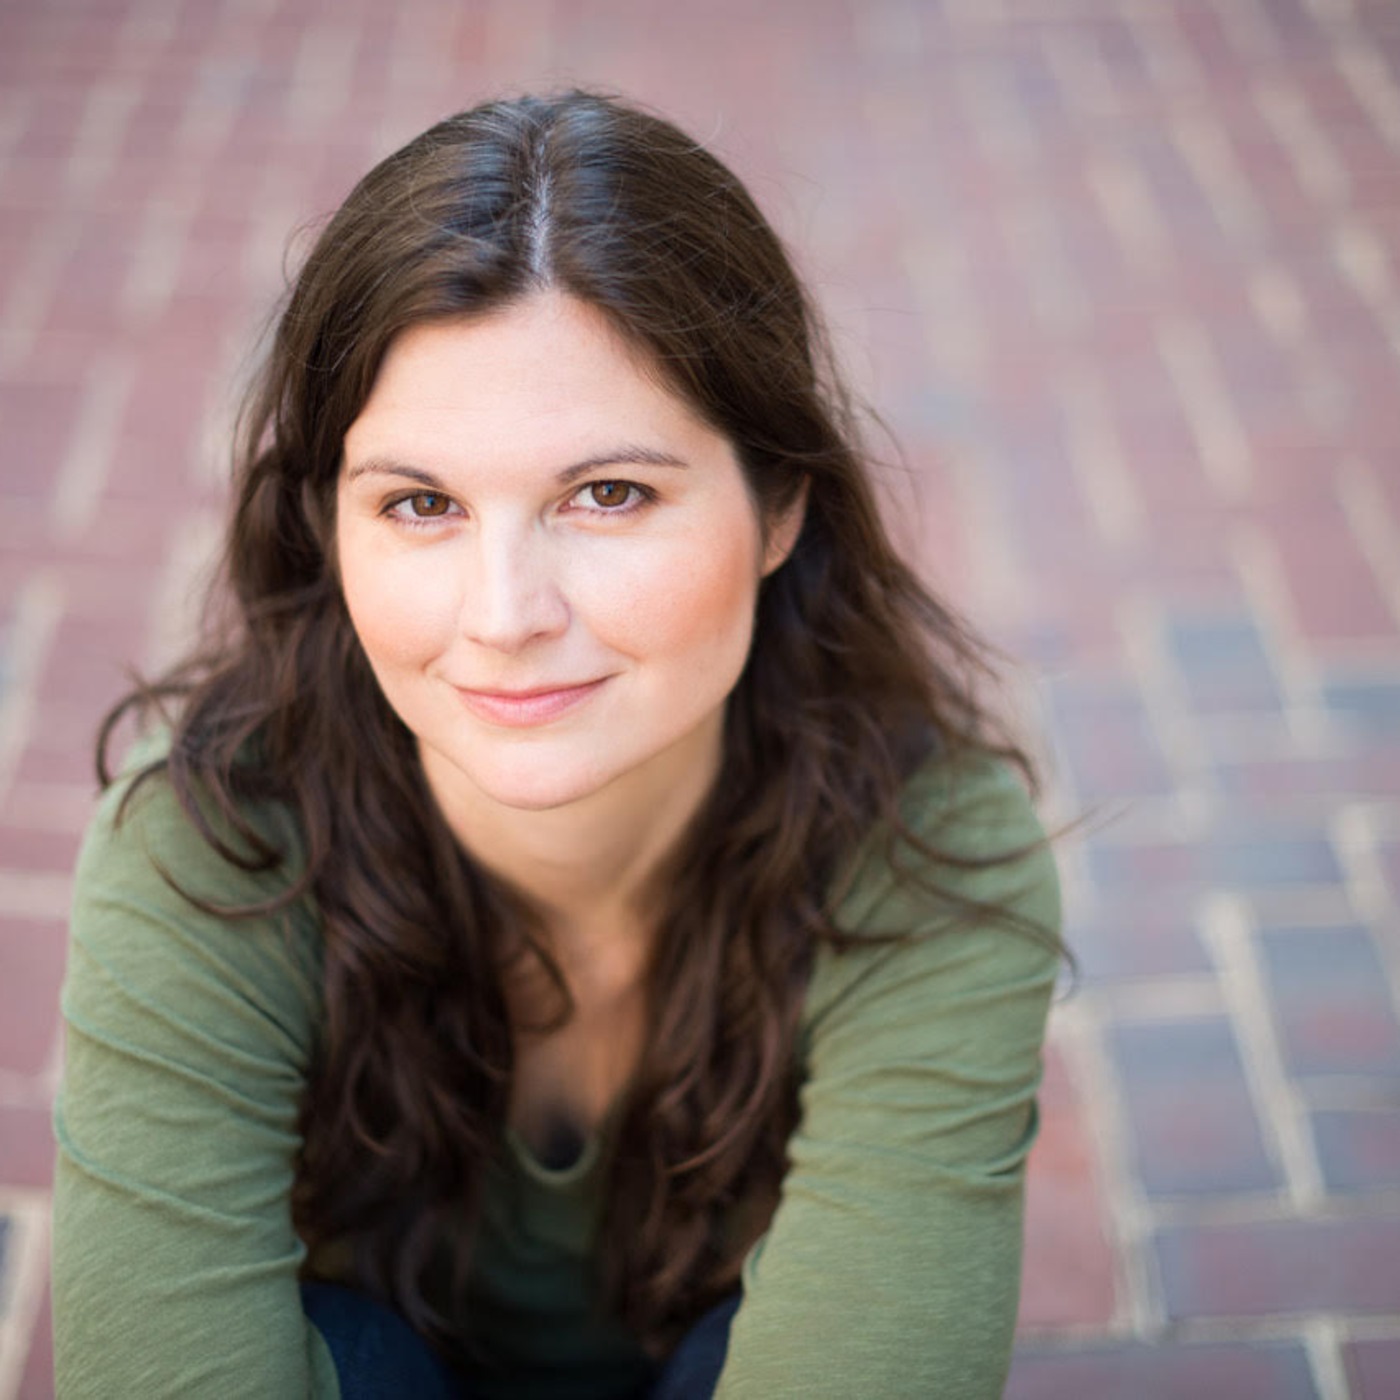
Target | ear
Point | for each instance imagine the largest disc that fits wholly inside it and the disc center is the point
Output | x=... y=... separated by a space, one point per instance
x=783 y=531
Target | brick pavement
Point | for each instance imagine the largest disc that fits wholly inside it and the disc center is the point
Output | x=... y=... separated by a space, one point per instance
x=1123 y=277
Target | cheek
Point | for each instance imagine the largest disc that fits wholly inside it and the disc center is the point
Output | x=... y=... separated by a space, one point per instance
x=401 y=616
x=694 y=602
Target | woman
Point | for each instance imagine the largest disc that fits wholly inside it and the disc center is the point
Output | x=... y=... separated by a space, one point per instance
x=576 y=928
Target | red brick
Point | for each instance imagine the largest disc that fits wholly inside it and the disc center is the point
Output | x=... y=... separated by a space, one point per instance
x=1262 y=1370
x=1283 y=1267
x=167 y=399
x=1273 y=783
x=1107 y=738
x=1068 y=1277
x=1133 y=938
x=1263 y=855
x=1372 y=1366
x=1222 y=661
x=89 y=661
x=123 y=538
x=58 y=808
x=1261 y=376
x=88 y=291
x=36 y=1382
x=1328 y=989
x=53 y=120
x=112 y=591
x=32 y=954
x=37 y=420
x=1388 y=856
x=35 y=849
x=1359 y=1148
x=1195 y=1127
x=1333 y=591
x=26 y=1146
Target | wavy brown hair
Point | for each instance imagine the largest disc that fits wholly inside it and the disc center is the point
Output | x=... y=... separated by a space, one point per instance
x=856 y=676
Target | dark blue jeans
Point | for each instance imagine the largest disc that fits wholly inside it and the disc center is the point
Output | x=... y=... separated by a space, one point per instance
x=378 y=1356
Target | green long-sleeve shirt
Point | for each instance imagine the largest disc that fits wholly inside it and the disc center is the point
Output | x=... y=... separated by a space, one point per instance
x=891 y=1266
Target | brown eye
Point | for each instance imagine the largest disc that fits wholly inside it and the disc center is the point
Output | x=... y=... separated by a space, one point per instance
x=609 y=493
x=429 y=503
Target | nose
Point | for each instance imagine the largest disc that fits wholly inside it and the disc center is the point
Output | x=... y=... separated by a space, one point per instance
x=511 y=593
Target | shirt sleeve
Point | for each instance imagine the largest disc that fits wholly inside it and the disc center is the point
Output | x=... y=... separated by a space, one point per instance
x=188 y=1037
x=892 y=1264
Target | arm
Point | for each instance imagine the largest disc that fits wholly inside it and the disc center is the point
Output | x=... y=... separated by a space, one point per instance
x=892 y=1264
x=187 y=1042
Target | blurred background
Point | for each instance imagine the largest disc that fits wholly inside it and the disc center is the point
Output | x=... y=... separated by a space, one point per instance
x=1122 y=279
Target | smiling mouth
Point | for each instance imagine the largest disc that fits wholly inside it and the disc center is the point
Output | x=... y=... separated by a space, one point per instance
x=520 y=709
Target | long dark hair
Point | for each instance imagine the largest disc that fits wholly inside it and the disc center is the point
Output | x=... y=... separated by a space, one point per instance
x=856 y=676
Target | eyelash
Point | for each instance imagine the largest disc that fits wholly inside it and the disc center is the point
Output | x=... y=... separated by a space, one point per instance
x=641 y=496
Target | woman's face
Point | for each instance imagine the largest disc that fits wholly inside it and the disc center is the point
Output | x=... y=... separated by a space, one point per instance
x=551 y=562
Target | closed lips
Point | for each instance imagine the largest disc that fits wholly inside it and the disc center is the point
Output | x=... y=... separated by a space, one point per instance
x=517 y=709
x=528 y=694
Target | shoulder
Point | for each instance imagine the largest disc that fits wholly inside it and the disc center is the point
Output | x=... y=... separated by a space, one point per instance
x=976 y=837
x=967 y=909
x=143 y=831
x=141 y=823
x=156 y=906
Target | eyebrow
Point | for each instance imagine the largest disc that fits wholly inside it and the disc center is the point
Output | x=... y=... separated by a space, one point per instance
x=628 y=454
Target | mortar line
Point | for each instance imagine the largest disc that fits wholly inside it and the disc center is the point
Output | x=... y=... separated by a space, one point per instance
x=1308 y=148
x=1168 y=710
x=86 y=465
x=1081 y=74
x=1250 y=1329
x=1267 y=592
x=1353 y=836
x=1170 y=62
x=1224 y=450
x=1366 y=74
x=37 y=611
x=1002 y=129
x=1184 y=997
x=1251 y=31
x=1263 y=1208
x=1128 y=208
x=1096 y=454
x=107 y=111
x=176 y=605
x=1361 y=258
x=321 y=75
x=1323 y=1344
x=1277 y=304
x=53 y=242
x=1129 y=1222
x=1059 y=299
x=159 y=250
x=24 y=1276
x=1203 y=145
x=1283 y=1116
x=890 y=31
x=1377 y=535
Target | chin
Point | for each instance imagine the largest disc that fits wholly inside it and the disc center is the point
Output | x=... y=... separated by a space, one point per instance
x=530 y=787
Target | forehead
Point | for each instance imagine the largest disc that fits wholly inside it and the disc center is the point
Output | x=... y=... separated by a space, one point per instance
x=536 y=373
